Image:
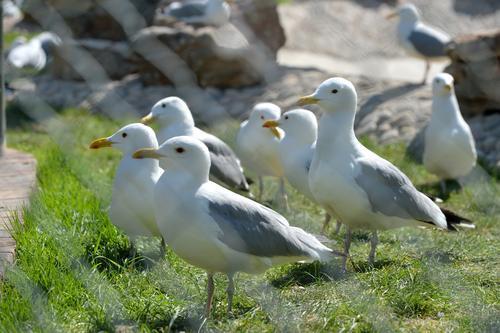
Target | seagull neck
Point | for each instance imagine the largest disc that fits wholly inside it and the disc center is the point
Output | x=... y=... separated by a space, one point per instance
x=182 y=180
x=446 y=109
x=336 y=131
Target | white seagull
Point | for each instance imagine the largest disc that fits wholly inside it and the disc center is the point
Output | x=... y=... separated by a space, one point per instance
x=132 y=207
x=296 y=150
x=34 y=53
x=258 y=147
x=418 y=38
x=218 y=230
x=357 y=186
x=175 y=119
x=449 y=149
x=204 y=12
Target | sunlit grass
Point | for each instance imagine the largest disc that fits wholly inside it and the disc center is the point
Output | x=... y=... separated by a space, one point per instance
x=74 y=271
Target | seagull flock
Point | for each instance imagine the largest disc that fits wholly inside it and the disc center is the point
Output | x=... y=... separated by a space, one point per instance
x=188 y=187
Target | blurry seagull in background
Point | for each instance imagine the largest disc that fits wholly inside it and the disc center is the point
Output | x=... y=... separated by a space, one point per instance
x=258 y=147
x=356 y=185
x=132 y=208
x=449 y=148
x=175 y=119
x=218 y=230
x=296 y=150
x=418 y=38
x=203 y=12
x=34 y=53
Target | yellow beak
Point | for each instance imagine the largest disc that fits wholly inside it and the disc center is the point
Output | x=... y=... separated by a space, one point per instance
x=147 y=153
x=100 y=143
x=447 y=87
x=391 y=15
x=272 y=125
x=306 y=100
x=147 y=119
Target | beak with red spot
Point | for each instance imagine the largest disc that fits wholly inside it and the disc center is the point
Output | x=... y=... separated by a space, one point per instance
x=147 y=153
x=273 y=126
x=308 y=100
x=101 y=143
x=147 y=119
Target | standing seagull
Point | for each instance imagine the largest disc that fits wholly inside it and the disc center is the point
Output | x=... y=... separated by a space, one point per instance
x=296 y=150
x=204 y=12
x=132 y=199
x=418 y=38
x=258 y=147
x=449 y=150
x=356 y=185
x=175 y=119
x=218 y=230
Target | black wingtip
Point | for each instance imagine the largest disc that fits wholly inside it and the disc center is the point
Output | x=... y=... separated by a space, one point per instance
x=249 y=180
x=455 y=221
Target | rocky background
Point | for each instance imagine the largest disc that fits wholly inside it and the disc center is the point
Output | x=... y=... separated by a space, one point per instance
x=223 y=71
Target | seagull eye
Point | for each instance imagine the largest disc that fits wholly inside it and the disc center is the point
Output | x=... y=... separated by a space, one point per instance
x=163 y=105
x=180 y=150
x=124 y=135
x=286 y=117
x=334 y=91
x=262 y=117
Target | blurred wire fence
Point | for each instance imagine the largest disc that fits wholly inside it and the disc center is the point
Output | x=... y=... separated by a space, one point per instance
x=211 y=68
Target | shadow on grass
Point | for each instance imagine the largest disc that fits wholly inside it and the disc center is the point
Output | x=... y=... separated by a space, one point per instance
x=307 y=274
x=363 y=266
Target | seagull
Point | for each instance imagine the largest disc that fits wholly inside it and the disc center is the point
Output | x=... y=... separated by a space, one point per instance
x=218 y=230
x=357 y=186
x=449 y=149
x=418 y=38
x=258 y=147
x=296 y=150
x=132 y=207
x=204 y=12
x=175 y=119
x=34 y=53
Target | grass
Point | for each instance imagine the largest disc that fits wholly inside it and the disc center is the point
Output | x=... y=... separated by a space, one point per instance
x=74 y=272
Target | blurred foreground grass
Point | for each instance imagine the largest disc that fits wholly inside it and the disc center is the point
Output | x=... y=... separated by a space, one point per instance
x=74 y=272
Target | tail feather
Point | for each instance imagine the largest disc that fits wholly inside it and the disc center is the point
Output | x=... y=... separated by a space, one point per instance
x=455 y=221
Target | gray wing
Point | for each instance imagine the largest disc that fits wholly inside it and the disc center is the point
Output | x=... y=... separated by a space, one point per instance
x=429 y=42
x=188 y=9
x=391 y=193
x=249 y=227
x=225 y=165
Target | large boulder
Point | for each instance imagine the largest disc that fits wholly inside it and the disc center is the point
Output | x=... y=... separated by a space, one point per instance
x=219 y=57
x=257 y=20
x=89 y=19
x=476 y=68
x=262 y=18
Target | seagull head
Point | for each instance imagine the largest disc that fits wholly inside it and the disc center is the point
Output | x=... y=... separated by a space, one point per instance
x=333 y=95
x=169 y=111
x=442 y=85
x=298 y=124
x=263 y=112
x=128 y=139
x=180 y=153
x=407 y=13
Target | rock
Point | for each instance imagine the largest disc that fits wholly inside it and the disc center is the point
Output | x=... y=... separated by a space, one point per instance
x=261 y=16
x=211 y=59
x=89 y=19
x=476 y=69
x=257 y=20
x=116 y=58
